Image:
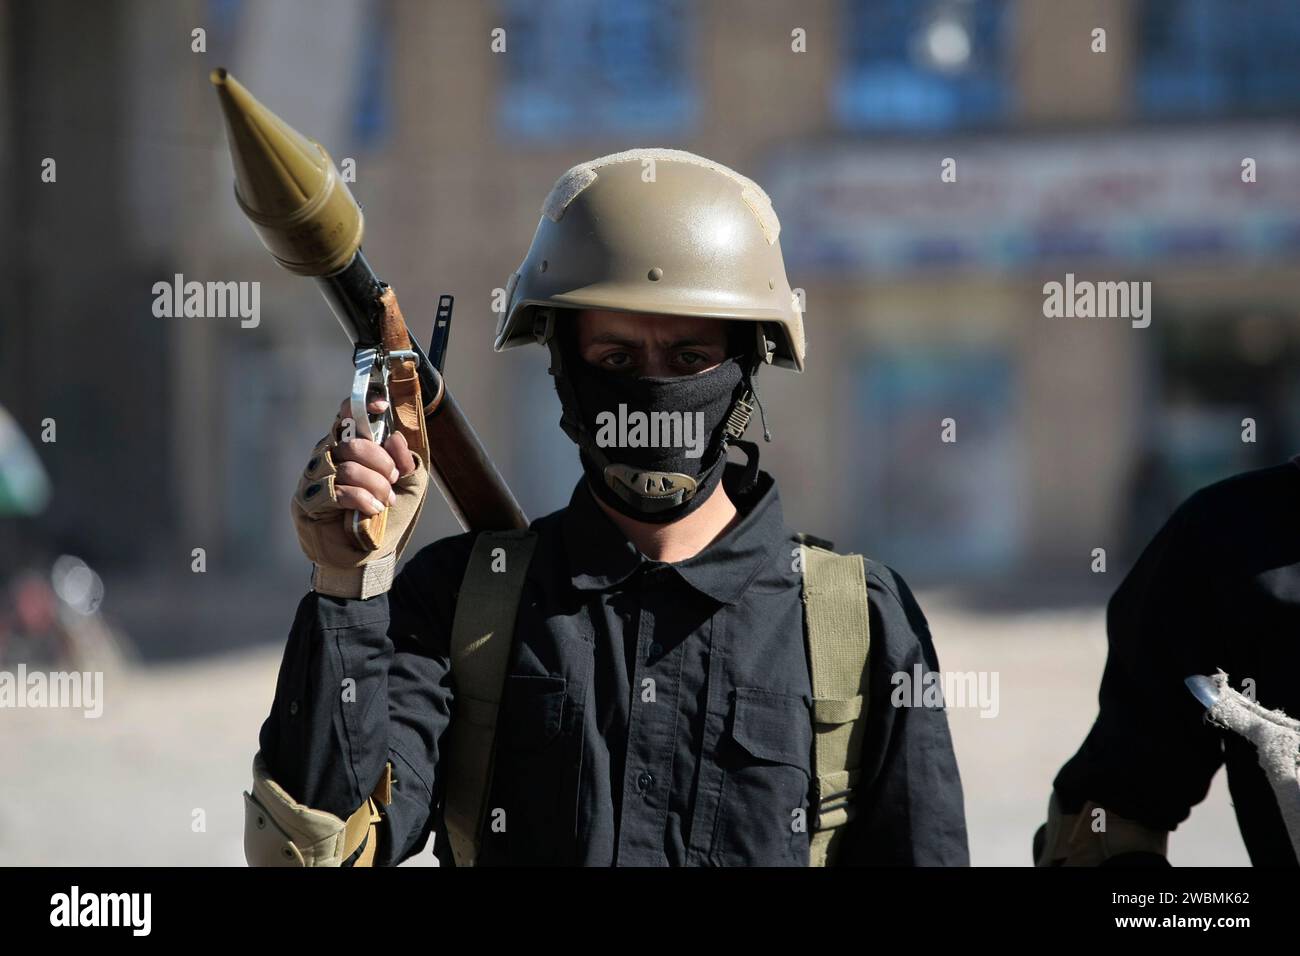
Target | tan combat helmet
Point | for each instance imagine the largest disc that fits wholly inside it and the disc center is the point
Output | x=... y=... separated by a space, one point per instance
x=657 y=230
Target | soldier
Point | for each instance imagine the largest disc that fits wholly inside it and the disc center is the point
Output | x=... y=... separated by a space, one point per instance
x=688 y=681
x=1217 y=588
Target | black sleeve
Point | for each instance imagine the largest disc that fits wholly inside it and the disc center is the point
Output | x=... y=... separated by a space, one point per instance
x=1150 y=755
x=911 y=811
x=367 y=682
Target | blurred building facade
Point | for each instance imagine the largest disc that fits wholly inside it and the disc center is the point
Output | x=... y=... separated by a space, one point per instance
x=924 y=297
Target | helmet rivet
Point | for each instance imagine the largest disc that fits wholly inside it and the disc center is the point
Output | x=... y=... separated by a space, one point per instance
x=656 y=274
x=542 y=267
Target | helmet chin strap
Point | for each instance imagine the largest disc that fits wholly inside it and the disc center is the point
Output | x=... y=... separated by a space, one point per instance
x=746 y=404
x=743 y=410
x=647 y=491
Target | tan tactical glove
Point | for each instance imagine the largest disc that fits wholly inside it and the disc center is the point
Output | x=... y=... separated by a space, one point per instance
x=356 y=554
x=1094 y=837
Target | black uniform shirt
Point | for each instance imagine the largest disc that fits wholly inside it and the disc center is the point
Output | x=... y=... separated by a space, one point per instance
x=1218 y=587
x=654 y=714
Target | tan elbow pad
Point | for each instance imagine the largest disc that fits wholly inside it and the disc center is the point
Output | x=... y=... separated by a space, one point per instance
x=279 y=831
x=1093 y=836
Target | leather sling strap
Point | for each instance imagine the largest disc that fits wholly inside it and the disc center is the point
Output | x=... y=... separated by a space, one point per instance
x=838 y=635
x=359 y=827
x=482 y=635
x=407 y=408
x=363 y=824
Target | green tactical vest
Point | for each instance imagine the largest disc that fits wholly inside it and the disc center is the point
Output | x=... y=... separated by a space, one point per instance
x=837 y=631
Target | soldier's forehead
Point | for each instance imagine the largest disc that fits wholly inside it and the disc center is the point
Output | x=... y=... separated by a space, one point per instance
x=598 y=324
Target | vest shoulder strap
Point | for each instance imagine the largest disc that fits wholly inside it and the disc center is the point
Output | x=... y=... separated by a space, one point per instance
x=838 y=633
x=482 y=635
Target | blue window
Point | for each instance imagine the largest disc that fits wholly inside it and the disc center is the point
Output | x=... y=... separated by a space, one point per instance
x=369 y=104
x=221 y=18
x=939 y=508
x=923 y=66
x=586 y=67
x=371 y=115
x=1206 y=57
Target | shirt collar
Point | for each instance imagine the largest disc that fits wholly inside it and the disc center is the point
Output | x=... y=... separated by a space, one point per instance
x=600 y=557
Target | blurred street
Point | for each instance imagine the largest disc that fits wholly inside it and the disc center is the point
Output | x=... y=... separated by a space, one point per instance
x=178 y=738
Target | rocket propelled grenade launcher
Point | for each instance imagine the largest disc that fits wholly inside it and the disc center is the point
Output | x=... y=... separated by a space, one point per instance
x=308 y=220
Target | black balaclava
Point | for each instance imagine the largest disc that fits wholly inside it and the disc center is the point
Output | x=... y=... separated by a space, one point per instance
x=643 y=463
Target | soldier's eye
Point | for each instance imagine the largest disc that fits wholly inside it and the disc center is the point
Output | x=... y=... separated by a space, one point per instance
x=616 y=359
x=692 y=359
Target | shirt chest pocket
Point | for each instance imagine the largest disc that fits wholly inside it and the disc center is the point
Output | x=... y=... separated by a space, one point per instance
x=532 y=710
x=765 y=756
x=534 y=776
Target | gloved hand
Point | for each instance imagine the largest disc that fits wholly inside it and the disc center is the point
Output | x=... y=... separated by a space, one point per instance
x=1095 y=836
x=349 y=479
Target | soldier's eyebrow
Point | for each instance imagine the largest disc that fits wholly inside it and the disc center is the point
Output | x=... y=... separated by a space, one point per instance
x=609 y=338
x=697 y=343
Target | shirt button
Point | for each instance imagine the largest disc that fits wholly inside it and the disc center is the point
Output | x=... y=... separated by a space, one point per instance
x=656 y=651
x=644 y=781
x=293 y=708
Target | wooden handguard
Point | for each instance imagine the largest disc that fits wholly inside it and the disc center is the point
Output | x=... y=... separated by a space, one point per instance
x=471 y=485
